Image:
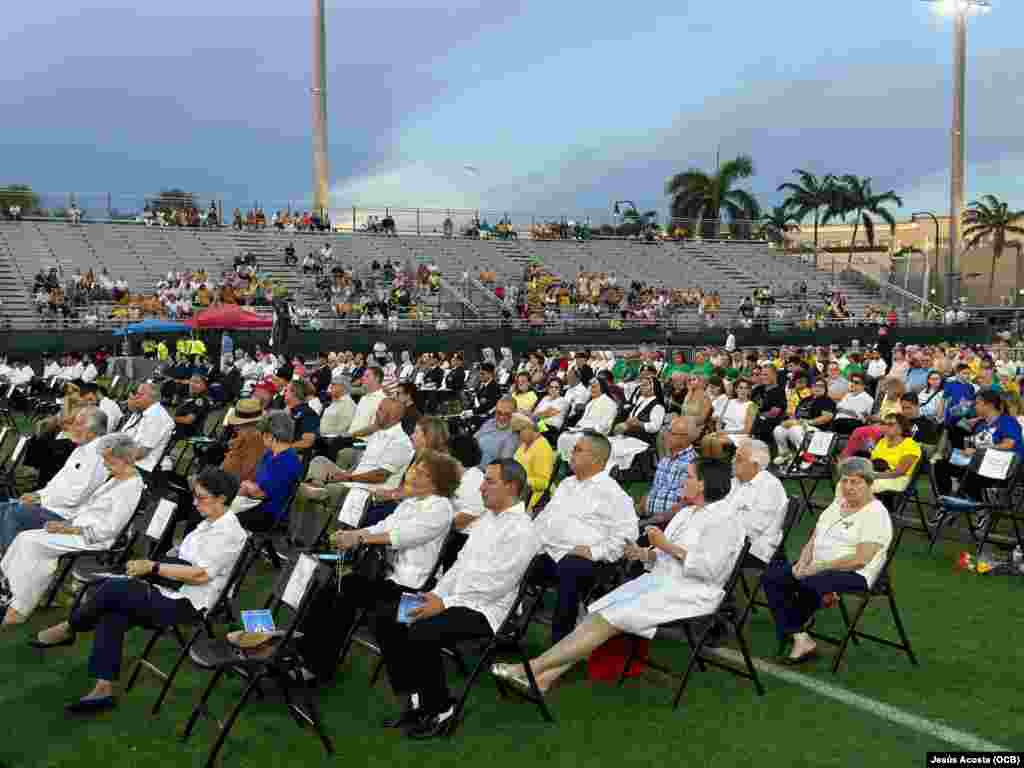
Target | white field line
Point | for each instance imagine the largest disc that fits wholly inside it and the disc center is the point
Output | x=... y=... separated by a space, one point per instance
x=960 y=739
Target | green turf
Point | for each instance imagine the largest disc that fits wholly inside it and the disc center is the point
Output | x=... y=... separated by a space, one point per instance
x=963 y=628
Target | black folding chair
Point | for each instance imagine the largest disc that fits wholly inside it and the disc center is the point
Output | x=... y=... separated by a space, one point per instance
x=220 y=609
x=899 y=502
x=8 y=473
x=704 y=626
x=794 y=513
x=882 y=588
x=823 y=447
x=293 y=592
x=981 y=515
x=113 y=556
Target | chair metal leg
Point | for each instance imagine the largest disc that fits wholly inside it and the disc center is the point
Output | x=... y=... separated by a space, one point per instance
x=202 y=703
x=899 y=628
x=58 y=580
x=538 y=697
x=316 y=721
x=631 y=641
x=226 y=728
x=157 y=634
x=689 y=639
x=846 y=617
x=377 y=669
x=695 y=651
x=751 y=669
x=851 y=628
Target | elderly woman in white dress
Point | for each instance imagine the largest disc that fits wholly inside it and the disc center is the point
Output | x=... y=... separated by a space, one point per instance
x=598 y=416
x=31 y=560
x=688 y=566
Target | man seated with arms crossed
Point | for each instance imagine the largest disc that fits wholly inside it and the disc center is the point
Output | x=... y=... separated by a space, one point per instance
x=388 y=453
x=337 y=418
x=589 y=520
x=471 y=600
x=150 y=426
x=663 y=500
x=760 y=500
x=58 y=500
x=495 y=436
x=364 y=422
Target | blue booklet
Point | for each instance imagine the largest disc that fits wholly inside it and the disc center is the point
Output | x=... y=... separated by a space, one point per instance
x=407 y=604
x=258 y=621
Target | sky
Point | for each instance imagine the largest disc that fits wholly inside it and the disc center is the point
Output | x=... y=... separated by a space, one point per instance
x=537 y=108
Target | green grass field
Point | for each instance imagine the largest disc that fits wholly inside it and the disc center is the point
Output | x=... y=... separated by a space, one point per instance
x=963 y=628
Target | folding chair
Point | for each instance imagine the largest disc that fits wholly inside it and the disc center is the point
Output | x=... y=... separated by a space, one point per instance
x=881 y=588
x=452 y=539
x=987 y=464
x=823 y=446
x=900 y=502
x=115 y=555
x=794 y=513
x=9 y=471
x=6 y=414
x=705 y=624
x=508 y=641
x=293 y=591
x=221 y=608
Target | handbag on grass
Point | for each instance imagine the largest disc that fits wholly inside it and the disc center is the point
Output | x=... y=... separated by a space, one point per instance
x=607 y=660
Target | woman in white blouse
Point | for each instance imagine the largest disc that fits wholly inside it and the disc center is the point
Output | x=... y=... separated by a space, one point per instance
x=737 y=417
x=203 y=563
x=31 y=560
x=598 y=416
x=688 y=566
x=412 y=536
x=846 y=551
x=553 y=407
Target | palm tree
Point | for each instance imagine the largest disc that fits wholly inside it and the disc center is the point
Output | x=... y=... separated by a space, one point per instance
x=853 y=195
x=990 y=217
x=808 y=195
x=776 y=224
x=699 y=195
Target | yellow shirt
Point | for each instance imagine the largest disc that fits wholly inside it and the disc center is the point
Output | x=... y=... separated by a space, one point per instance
x=539 y=462
x=525 y=401
x=893 y=455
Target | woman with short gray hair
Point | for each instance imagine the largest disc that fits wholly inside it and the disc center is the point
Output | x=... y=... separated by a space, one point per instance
x=31 y=560
x=262 y=503
x=846 y=552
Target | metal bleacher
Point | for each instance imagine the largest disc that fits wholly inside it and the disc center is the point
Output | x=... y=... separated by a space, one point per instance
x=144 y=255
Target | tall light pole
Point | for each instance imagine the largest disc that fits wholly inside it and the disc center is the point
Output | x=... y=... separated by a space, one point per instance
x=960 y=10
x=319 y=91
x=927 y=263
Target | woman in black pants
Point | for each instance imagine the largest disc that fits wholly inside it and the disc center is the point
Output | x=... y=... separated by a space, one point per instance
x=203 y=564
x=413 y=535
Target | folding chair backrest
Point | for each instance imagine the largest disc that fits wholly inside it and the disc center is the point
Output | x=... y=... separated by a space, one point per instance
x=794 y=512
x=737 y=569
x=213 y=421
x=156 y=525
x=894 y=545
x=528 y=600
x=17 y=455
x=4 y=431
x=451 y=540
x=294 y=591
x=238 y=571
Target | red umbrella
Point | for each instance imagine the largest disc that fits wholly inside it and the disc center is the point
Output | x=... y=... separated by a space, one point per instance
x=230 y=317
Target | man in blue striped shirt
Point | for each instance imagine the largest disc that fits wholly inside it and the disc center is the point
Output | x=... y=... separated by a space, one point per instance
x=663 y=499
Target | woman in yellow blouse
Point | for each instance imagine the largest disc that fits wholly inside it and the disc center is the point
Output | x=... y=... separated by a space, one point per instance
x=523 y=393
x=536 y=456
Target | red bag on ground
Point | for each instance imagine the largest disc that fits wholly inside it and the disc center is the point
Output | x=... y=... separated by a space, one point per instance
x=606 y=662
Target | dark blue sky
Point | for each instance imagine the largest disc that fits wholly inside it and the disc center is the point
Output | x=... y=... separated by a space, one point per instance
x=557 y=107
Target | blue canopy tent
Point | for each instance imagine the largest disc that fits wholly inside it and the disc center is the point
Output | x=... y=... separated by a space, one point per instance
x=153 y=325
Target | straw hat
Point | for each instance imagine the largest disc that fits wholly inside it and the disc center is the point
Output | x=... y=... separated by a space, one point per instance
x=247 y=411
x=520 y=421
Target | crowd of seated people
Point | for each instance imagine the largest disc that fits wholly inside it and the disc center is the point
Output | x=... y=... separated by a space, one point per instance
x=357 y=451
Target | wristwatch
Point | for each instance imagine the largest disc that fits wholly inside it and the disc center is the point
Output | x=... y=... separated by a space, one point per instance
x=156 y=569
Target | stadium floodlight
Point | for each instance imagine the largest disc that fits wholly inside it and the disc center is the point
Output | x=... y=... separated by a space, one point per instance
x=960 y=10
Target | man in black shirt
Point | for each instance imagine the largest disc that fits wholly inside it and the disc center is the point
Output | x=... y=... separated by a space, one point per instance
x=924 y=431
x=307 y=423
x=190 y=416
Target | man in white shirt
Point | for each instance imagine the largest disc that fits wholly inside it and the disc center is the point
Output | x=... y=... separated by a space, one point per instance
x=51 y=369
x=89 y=373
x=388 y=453
x=150 y=426
x=337 y=417
x=470 y=601
x=759 y=499
x=364 y=420
x=58 y=500
x=589 y=520
x=21 y=374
